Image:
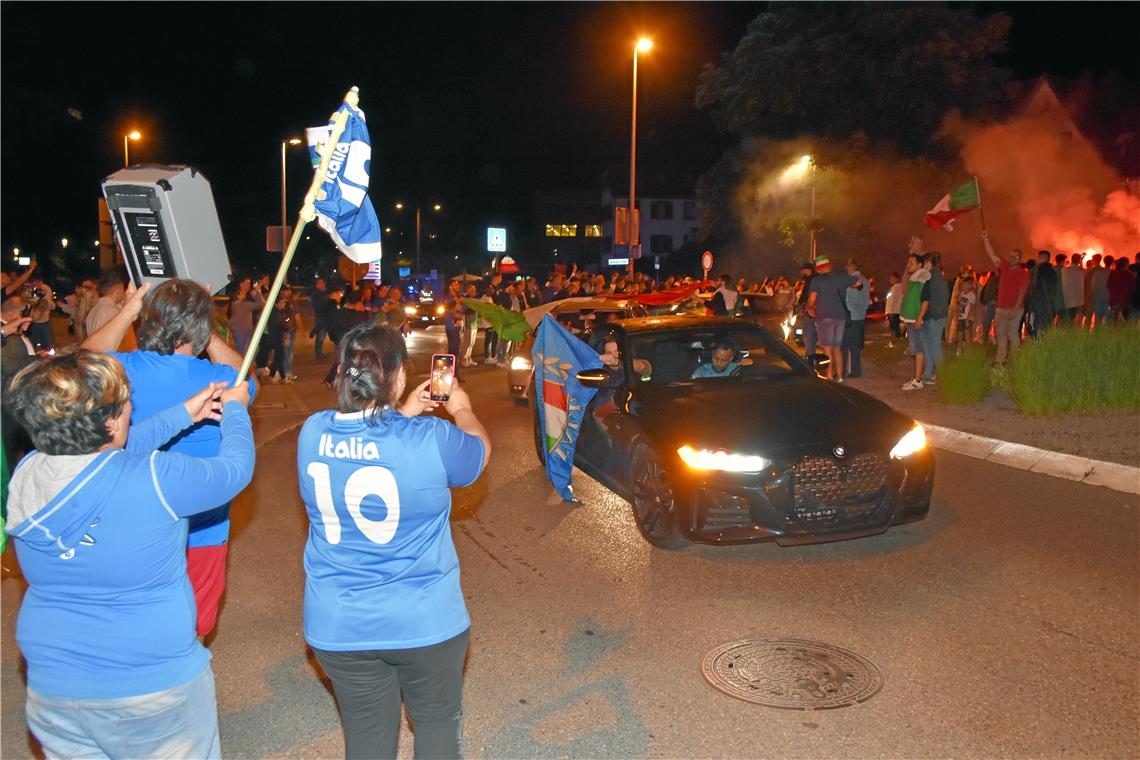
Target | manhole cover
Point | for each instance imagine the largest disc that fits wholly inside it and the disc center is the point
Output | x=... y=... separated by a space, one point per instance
x=792 y=673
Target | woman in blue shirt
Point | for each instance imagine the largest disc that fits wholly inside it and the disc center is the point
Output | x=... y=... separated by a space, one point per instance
x=107 y=622
x=383 y=610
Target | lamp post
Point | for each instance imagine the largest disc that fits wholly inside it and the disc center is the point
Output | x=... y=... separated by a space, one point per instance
x=644 y=45
x=284 y=213
x=132 y=135
x=811 y=165
x=419 y=226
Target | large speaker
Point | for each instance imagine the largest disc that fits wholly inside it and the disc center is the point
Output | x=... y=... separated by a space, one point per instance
x=167 y=225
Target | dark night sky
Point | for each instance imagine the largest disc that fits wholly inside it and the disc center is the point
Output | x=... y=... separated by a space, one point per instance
x=475 y=106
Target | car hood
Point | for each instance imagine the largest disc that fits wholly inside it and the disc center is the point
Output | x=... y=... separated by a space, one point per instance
x=767 y=416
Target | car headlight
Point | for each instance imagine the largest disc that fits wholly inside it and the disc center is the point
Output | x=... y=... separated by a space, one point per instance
x=409 y=310
x=440 y=310
x=725 y=461
x=521 y=362
x=911 y=443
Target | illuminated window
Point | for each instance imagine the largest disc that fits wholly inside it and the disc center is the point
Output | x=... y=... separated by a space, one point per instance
x=593 y=230
x=562 y=230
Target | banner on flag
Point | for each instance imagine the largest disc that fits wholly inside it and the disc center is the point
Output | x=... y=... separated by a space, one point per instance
x=558 y=356
x=342 y=207
x=954 y=204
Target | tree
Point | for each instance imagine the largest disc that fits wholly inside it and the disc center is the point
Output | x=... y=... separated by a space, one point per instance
x=862 y=88
x=884 y=70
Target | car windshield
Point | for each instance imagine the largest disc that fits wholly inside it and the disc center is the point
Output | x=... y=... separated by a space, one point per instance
x=714 y=354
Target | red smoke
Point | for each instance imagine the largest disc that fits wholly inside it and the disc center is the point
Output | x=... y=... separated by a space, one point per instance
x=1044 y=172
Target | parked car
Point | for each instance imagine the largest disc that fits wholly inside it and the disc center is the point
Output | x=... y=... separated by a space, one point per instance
x=768 y=452
x=580 y=315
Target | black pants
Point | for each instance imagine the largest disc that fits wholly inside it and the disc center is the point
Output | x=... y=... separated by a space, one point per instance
x=368 y=687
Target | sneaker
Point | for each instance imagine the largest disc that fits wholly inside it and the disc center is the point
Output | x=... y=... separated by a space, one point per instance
x=292 y=377
x=274 y=380
x=287 y=380
x=500 y=364
x=489 y=360
x=913 y=385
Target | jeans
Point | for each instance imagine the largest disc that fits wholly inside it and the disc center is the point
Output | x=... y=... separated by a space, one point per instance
x=932 y=346
x=853 y=347
x=287 y=349
x=319 y=333
x=1007 y=326
x=809 y=336
x=180 y=722
x=368 y=687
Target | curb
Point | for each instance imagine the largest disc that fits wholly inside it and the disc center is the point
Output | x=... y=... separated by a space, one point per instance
x=1118 y=477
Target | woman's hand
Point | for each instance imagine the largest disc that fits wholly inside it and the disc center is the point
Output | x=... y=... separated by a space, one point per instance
x=458 y=401
x=239 y=393
x=206 y=403
x=419 y=400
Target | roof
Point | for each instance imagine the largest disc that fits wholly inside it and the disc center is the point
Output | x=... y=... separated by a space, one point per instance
x=680 y=322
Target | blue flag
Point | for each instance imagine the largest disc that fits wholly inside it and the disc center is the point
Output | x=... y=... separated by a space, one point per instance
x=558 y=356
x=345 y=212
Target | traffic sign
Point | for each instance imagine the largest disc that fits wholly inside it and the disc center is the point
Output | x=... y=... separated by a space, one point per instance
x=707 y=262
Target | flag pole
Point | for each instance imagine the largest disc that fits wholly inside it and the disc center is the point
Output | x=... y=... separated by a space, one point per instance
x=981 y=209
x=306 y=215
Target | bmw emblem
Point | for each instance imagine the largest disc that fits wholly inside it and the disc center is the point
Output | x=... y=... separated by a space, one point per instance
x=839 y=452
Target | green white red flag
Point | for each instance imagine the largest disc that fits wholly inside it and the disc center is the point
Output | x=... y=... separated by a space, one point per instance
x=954 y=204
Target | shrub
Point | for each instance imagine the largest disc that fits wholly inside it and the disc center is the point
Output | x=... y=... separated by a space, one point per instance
x=1071 y=370
x=964 y=379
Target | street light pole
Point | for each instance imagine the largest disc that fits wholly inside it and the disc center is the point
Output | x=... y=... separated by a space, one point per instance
x=284 y=213
x=419 y=270
x=132 y=135
x=812 y=213
x=643 y=44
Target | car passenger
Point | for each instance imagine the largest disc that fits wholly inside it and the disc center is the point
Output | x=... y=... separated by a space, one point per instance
x=611 y=360
x=721 y=365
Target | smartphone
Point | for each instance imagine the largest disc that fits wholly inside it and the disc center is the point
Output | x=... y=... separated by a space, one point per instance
x=442 y=376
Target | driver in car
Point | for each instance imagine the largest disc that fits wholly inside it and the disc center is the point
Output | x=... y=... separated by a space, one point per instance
x=721 y=365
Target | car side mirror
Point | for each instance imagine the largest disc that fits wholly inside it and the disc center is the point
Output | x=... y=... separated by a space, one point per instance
x=592 y=378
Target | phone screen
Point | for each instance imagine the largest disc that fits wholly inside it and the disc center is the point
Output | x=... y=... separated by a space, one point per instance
x=442 y=376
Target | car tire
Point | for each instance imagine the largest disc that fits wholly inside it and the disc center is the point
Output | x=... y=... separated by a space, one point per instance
x=654 y=508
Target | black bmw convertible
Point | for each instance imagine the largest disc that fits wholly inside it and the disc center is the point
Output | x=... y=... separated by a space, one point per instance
x=715 y=431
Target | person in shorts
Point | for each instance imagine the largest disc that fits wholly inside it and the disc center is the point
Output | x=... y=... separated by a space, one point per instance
x=827 y=305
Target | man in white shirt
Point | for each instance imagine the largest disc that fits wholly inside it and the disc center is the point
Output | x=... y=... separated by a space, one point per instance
x=112 y=293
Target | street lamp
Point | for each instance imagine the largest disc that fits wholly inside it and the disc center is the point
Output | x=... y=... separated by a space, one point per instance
x=644 y=45
x=64 y=242
x=132 y=135
x=292 y=141
x=435 y=207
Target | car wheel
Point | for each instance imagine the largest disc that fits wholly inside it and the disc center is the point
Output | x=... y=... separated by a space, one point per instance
x=654 y=508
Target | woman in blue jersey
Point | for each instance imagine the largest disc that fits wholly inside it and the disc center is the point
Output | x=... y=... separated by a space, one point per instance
x=107 y=622
x=384 y=612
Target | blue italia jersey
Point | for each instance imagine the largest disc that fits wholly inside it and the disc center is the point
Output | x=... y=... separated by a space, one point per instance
x=380 y=567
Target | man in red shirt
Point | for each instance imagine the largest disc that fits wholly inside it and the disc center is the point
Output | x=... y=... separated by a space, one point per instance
x=1012 y=286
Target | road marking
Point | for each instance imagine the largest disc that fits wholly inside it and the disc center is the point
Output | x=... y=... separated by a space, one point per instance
x=1118 y=477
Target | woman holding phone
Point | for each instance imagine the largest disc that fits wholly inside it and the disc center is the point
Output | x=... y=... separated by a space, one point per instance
x=383 y=610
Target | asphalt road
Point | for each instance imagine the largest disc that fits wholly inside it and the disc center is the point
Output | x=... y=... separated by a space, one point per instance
x=1006 y=624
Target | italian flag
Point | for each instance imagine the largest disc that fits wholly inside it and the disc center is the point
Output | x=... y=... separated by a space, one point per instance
x=554 y=407
x=960 y=201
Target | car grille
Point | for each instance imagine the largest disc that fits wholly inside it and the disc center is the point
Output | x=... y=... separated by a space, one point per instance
x=827 y=489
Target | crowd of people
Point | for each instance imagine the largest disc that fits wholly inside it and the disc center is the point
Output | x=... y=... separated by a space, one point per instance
x=119 y=511
x=120 y=504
